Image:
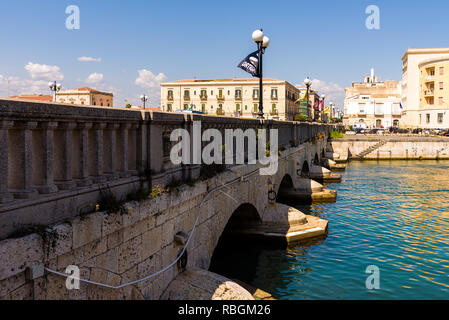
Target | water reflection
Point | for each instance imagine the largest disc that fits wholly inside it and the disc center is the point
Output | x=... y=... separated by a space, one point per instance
x=391 y=214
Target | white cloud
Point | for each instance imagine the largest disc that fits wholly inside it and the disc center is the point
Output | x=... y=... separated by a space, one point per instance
x=334 y=92
x=95 y=78
x=44 y=72
x=151 y=83
x=89 y=59
x=19 y=86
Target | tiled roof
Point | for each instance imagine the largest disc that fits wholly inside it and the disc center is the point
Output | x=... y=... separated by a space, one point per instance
x=36 y=97
x=87 y=89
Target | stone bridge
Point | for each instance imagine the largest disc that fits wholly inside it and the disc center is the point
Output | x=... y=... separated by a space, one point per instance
x=95 y=188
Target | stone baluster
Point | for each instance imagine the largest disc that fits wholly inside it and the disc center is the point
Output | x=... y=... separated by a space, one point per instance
x=21 y=160
x=81 y=154
x=110 y=151
x=63 y=156
x=142 y=148
x=43 y=156
x=132 y=149
x=122 y=149
x=5 y=196
x=96 y=153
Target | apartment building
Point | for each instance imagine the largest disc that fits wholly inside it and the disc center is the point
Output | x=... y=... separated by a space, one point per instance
x=231 y=97
x=425 y=88
x=313 y=97
x=373 y=103
x=85 y=96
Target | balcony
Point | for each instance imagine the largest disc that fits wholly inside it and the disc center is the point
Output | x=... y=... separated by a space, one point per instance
x=186 y=98
x=274 y=112
x=170 y=98
x=203 y=97
x=430 y=78
x=239 y=98
x=274 y=97
x=220 y=98
x=429 y=93
x=220 y=112
x=379 y=112
x=256 y=98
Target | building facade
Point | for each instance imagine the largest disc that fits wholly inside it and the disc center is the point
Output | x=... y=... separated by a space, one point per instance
x=425 y=88
x=373 y=104
x=231 y=97
x=313 y=98
x=85 y=96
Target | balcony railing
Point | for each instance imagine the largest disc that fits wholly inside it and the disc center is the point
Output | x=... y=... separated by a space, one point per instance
x=238 y=97
x=170 y=98
x=203 y=97
x=274 y=97
x=220 y=112
x=220 y=98
x=187 y=98
x=429 y=92
x=430 y=78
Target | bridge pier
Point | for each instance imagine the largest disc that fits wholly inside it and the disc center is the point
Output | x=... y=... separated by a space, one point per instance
x=322 y=174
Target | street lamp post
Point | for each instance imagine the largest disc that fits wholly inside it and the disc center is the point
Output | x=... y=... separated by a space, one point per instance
x=308 y=83
x=55 y=87
x=144 y=99
x=262 y=43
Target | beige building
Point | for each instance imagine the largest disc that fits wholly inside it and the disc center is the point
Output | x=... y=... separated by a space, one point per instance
x=373 y=103
x=85 y=96
x=425 y=88
x=231 y=97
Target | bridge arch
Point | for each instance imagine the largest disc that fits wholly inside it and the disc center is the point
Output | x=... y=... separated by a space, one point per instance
x=305 y=169
x=316 y=159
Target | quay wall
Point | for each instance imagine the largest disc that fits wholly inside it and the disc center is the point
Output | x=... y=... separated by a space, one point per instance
x=394 y=148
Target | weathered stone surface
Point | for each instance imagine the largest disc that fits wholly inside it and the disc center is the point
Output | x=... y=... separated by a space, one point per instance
x=18 y=254
x=87 y=229
x=198 y=284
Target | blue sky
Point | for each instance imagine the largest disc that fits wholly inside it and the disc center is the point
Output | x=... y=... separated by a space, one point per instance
x=170 y=40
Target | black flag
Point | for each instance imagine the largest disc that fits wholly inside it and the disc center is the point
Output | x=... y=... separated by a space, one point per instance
x=251 y=64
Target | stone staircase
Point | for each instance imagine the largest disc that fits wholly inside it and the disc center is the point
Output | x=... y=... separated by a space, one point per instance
x=367 y=151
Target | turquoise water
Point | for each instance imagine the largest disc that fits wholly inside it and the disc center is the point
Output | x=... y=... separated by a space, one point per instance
x=394 y=215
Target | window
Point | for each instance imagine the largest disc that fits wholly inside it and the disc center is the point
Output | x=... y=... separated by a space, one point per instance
x=238 y=93
x=420 y=120
x=229 y=92
x=431 y=101
x=186 y=106
x=170 y=94
x=256 y=107
x=246 y=107
x=169 y=107
x=237 y=107
x=203 y=108
x=432 y=72
x=428 y=118
x=194 y=93
x=440 y=101
x=441 y=71
x=212 y=92
x=440 y=118
x=95 y=103
x=255 y=93
x=220 y=93
x=273 y=108
x=186 y=93
x=274 y=93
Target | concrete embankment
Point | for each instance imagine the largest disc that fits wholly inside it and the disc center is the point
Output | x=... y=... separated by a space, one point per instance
x=391 y=147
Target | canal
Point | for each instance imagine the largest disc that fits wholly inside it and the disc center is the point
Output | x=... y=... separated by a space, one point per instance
x=394 y=215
